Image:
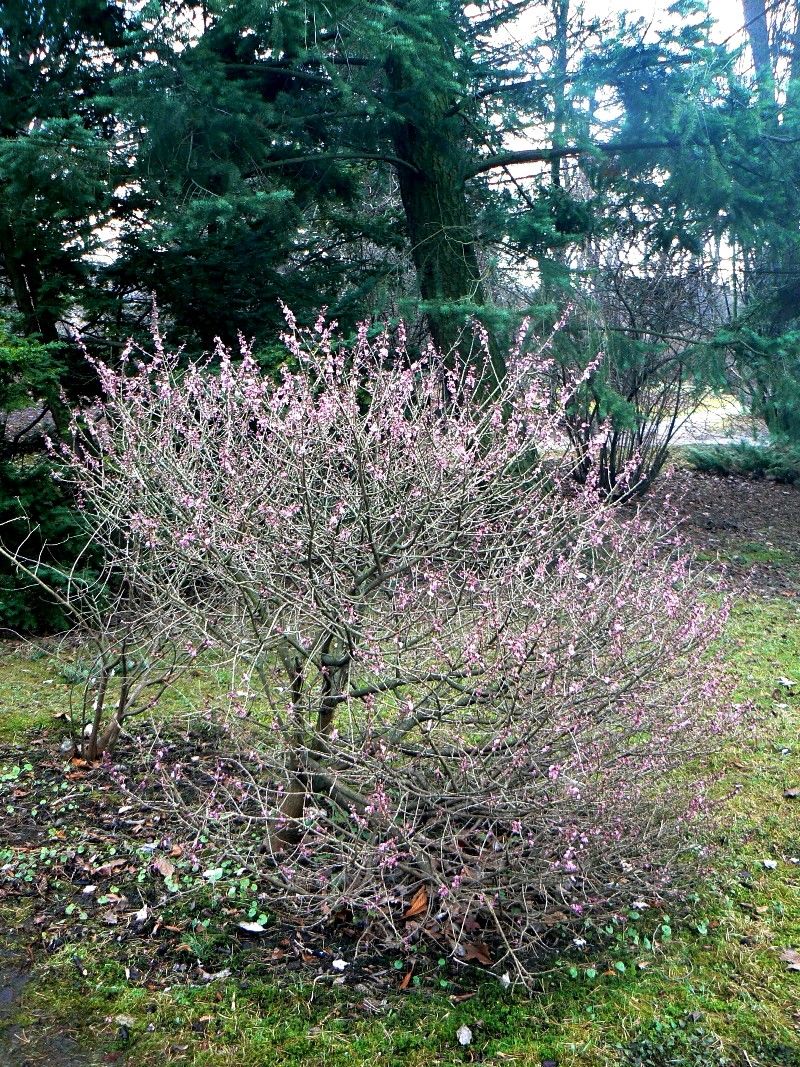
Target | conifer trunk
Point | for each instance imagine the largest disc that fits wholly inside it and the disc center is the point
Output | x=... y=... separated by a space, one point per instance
x=26 y=284
x=439 y=219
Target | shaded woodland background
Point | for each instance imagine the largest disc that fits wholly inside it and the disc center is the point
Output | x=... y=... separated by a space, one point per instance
x=435 y=162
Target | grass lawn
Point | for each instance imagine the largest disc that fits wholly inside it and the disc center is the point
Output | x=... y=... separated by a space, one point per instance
x=704 y=988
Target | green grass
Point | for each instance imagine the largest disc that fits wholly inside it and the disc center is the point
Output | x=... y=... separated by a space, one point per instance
x=36 y=683
x=748 y=554
x=756 y=552
x=32 y=692
x=714 y=992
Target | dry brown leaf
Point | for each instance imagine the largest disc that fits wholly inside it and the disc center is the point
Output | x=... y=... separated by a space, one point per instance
x=791 y=957
x=111 y=866
x=164 y=866
x=419 y=903
x=406 y=982
x=477 y=950
x=553 y=918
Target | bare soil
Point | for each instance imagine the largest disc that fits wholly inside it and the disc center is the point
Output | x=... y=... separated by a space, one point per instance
x=748 y=530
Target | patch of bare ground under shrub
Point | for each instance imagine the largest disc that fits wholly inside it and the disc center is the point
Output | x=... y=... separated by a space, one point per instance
x=750 y=529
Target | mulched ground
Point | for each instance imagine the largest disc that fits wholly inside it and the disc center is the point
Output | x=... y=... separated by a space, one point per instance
x=92 y=867
x=750 y=529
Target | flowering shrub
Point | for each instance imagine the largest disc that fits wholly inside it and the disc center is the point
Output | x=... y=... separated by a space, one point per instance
x=467 y=696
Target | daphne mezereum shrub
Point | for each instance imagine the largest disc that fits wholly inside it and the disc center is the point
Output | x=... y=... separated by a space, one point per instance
x=458 y=678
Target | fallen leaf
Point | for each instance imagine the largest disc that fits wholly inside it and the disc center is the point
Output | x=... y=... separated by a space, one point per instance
x=164 y=866
x=793 y=793
x=406 y=982
x=140 y=917
x=111 y=866
x=553 y=918
x=419 y=903
x=791 y=957
x=477 y=950
x=252 y=928
x=464 y=1035
x=373 y=1007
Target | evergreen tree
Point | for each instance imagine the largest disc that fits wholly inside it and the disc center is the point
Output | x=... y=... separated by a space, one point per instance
x=59 y=154
x=262 y=123
x=765 y=337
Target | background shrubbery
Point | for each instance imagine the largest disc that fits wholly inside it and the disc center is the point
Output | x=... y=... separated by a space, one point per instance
x=779 y=462
x=38 y=519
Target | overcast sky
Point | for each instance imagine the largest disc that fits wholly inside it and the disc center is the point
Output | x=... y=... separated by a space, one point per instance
x=727 y=13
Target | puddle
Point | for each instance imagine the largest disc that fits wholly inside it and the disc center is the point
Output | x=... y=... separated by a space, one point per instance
x=32 y=1045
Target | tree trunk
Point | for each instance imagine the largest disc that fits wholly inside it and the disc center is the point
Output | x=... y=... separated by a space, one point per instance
x=793 y=90
x=26 y=284
x=439 y=219
x=777 y=268
x=561 y=59
x=755 y=18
